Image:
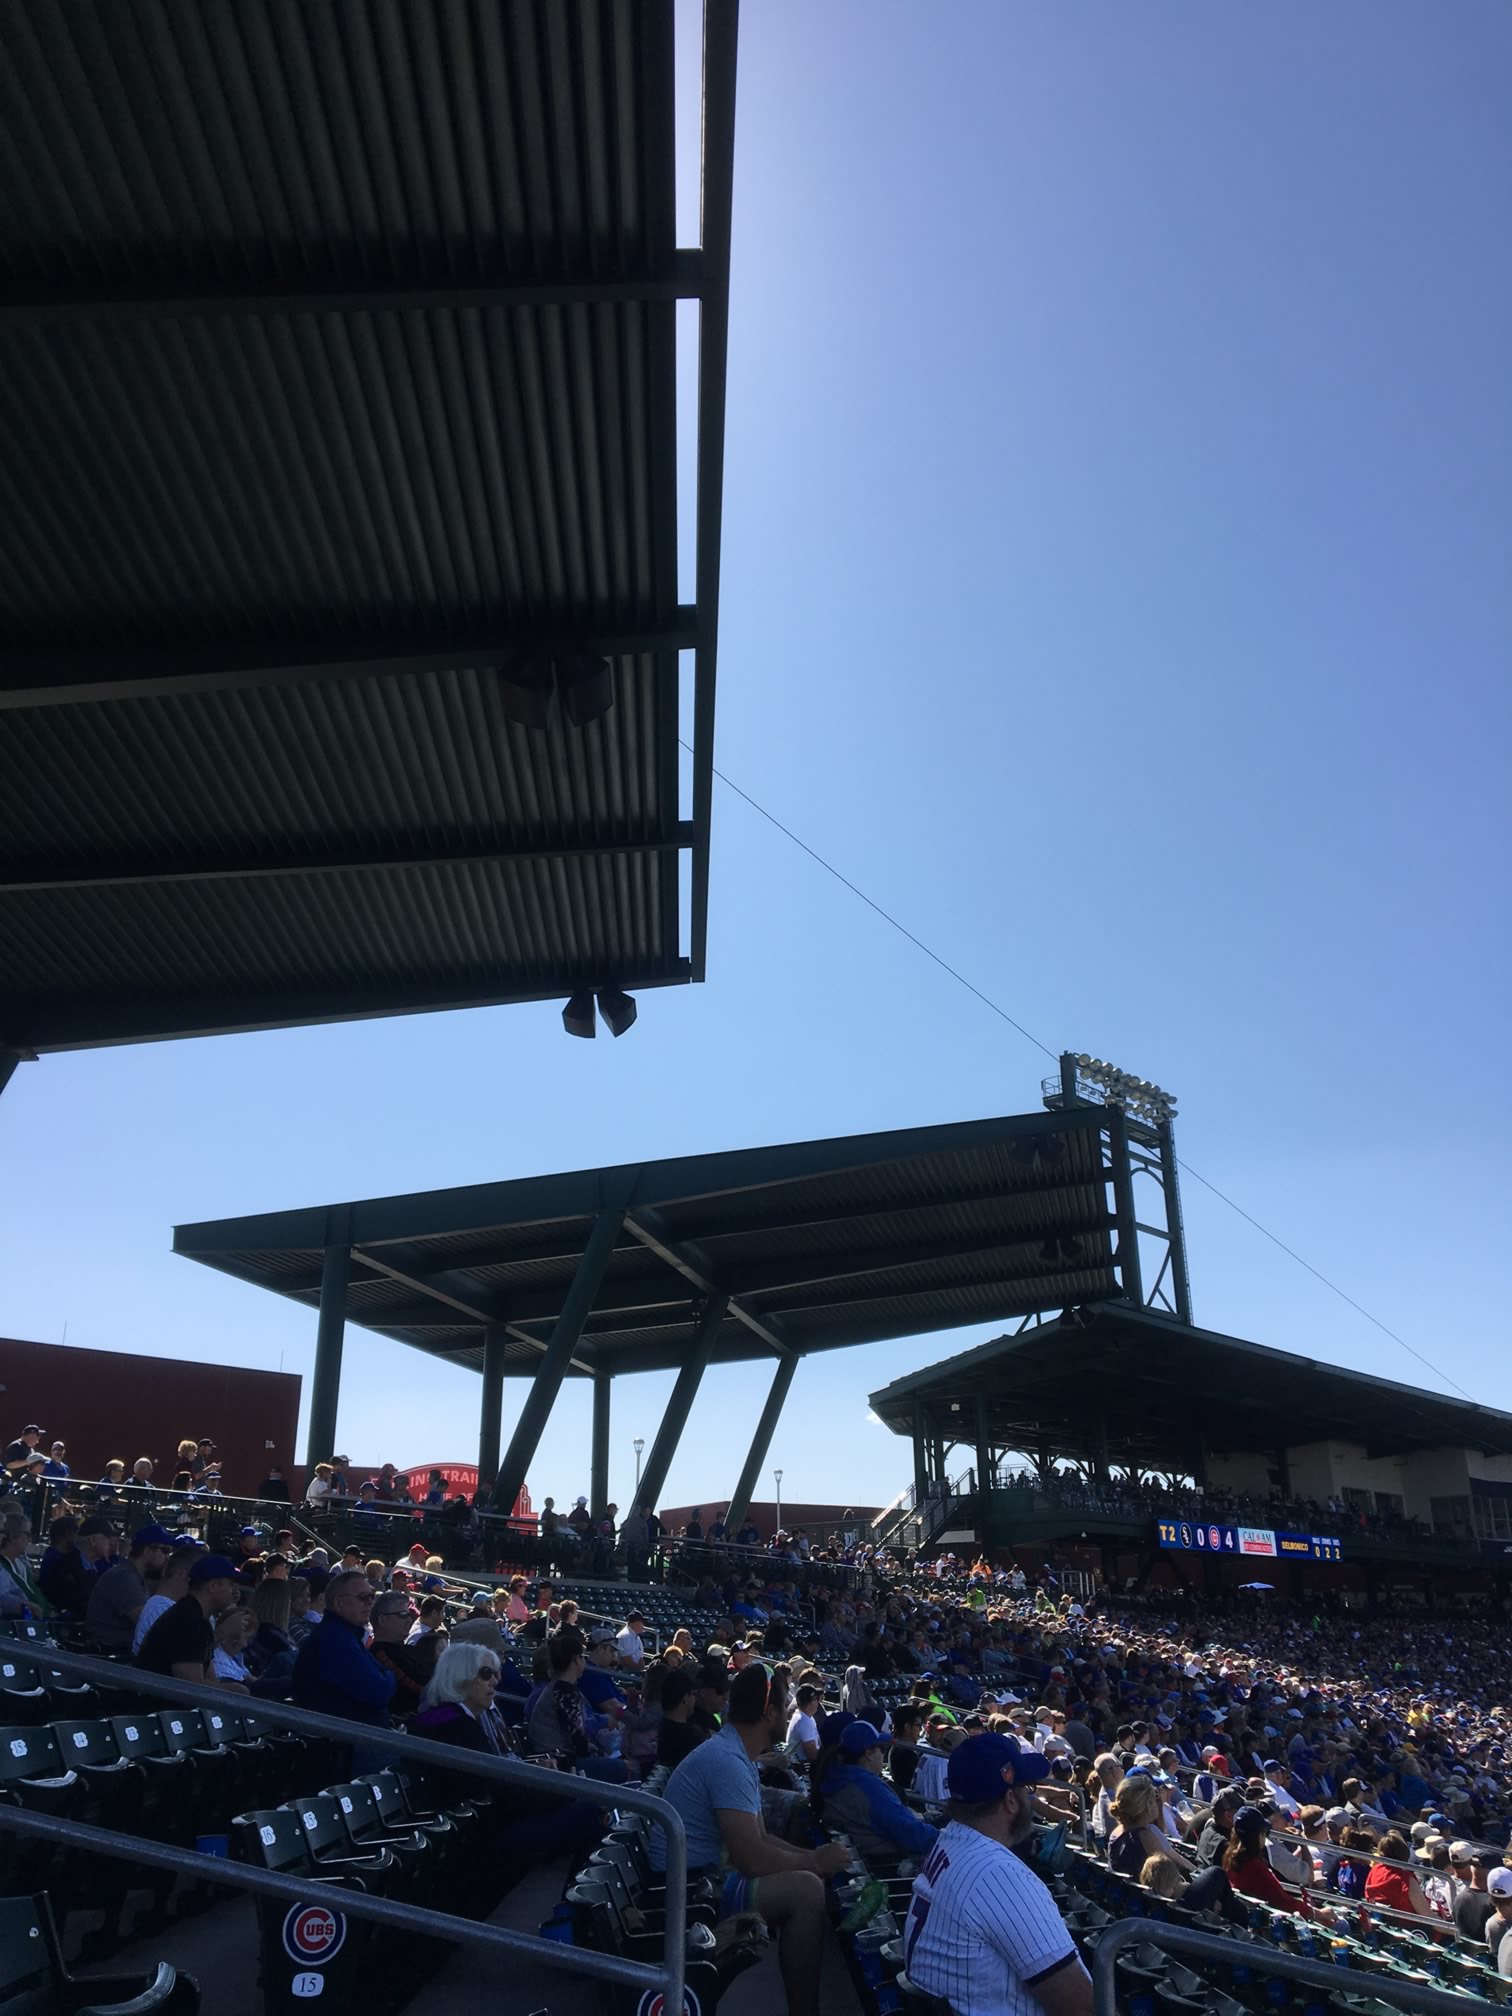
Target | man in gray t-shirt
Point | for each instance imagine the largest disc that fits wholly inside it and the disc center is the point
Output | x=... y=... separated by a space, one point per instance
x=717 y=1790
x=116 y=1601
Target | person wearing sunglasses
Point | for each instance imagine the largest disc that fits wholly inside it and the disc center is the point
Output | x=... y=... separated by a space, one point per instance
x=458 y=1710
x=392 y=1615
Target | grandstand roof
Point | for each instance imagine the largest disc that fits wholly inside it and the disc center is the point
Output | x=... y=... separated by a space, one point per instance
x=338 y=358
x=819 y=1244
x=1167 y=1390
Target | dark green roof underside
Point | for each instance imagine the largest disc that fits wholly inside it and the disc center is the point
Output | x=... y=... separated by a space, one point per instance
x=1163 y=1391
x=820 y=1244
x=337 y=363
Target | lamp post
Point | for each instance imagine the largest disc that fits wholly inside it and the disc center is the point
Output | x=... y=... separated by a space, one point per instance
x=777 y=1478
x=638 y=1445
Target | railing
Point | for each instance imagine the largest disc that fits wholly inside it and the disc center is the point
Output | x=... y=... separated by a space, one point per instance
x=666 y=1978
x=185 y=1511
x=1263 y=1959
x=903 y=1501
x=696 y=1555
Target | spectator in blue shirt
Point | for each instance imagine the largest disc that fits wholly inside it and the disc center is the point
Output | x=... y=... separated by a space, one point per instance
x=335 y=1674
x=597 y=1684
x=858 y=1800
x=55 y=1466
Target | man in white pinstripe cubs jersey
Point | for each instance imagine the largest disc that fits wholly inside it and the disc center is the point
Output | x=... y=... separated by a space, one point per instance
x=983 y=1931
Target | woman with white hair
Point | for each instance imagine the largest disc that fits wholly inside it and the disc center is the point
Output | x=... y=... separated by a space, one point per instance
x=457 y=1708
x=458 y=1703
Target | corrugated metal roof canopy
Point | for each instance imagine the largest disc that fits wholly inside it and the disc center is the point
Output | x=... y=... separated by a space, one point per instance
x=1163 y=1391
x=818 y=1244
x=337 y=372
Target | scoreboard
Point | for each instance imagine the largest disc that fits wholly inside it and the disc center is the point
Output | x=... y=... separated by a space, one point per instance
x=1190 y=1536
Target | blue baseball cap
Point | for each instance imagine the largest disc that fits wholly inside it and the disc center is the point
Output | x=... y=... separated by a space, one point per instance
x=152 y=1536
x=833 y=1727
x=859 y=1737
x=984 y=1765
x=213 y=1568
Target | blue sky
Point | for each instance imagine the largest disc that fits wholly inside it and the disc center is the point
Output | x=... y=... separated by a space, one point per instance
x=1116 y=585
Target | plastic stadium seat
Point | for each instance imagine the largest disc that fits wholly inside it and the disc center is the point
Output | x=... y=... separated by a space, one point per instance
x=34 y=1981
x=597 y=1923
x=330 y=1848
x=398 y=1808
x=417 y=1861
x=23 y=1698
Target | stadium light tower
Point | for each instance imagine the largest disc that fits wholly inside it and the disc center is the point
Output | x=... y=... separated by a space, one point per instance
x=638 y=1444
x=1139 y=1141
x=777 y=1479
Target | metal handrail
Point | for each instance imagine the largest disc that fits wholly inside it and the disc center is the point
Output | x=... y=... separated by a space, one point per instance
x=1262 y=1958
x=668 y=1977
x=1335 y=1847
x=128 y=1498
x=400 y=1917
x=903 y=1502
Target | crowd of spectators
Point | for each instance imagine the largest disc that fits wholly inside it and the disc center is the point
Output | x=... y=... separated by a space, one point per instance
x=1174 y=1498
x=1223 y=1749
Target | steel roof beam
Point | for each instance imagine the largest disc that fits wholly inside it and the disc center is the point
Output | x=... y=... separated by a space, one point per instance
x=814 y=1270
x=456 y=1290
x=161 y=1017
x=716 y=203
x=249 y=866
x=66 y=677
x=688 y=276
x=812 y=1216
x=526 y=1202
x=687 y=1282
x=695 y=1267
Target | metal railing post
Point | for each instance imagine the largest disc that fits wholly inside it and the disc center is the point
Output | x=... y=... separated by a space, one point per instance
x=1263 y=1959
x=105 y=1673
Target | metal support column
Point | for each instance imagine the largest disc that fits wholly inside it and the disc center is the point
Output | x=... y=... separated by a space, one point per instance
x=1181 y=1285
x=761 y=1441
x=552 y=1369
x=330 y=1333
x=680 y=1404
x=9 y=1059
x=598 y=1477
x=984 y=1477
x=1130 y=1274
x=921 y=1457
x=1100 y=1448
x=491 y=1407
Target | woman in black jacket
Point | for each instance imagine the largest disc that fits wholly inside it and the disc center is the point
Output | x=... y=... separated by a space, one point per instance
x=457 y=1709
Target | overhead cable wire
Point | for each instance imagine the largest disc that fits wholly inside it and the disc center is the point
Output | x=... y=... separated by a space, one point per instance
x=1029 y=1036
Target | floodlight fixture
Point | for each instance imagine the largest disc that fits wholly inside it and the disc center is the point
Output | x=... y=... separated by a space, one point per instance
x=581 y=681
x=525 y=685
x=617 y=1008
x=586 y=684
x=577 y=1016
x=1138 y=1096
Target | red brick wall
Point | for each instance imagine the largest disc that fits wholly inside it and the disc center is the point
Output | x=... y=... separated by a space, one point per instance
x=114 y=1403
